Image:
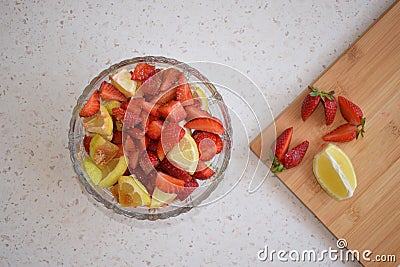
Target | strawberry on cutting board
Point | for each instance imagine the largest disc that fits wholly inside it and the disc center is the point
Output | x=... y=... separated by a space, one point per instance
x=312 y=100
x=284 y=159
x=345 y=132
x=350 y=111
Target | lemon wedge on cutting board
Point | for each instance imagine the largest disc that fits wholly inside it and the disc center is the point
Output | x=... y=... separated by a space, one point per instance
x=334 y=172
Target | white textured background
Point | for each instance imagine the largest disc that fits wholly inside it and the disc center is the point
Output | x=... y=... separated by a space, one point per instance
x=50 y=50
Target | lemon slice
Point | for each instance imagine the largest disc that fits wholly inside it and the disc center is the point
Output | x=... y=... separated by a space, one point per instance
x=100 y=123
x=161 y=198
x=112 y=177
x=92 y=170
x=200 y=95
x=132 y=192
x=334 y=172
x=185 y=154
x=122 y=81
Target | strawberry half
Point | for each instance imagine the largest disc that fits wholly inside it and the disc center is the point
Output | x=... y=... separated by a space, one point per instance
x=109 y=92
x=169 y=184
x=169 y=79
x=330 y=106
x=282 y=143
x=154 y=129
x=212 y=125
x=345 y=132
x=171 y=134
x=174 y=171
x=183 y=92
x=194 y=112
x=350 y=111
x=142 y=72
x=312 y=100
x=293 y=157
x=86 y=143
x=92 y=106
x=208 y=144
x=189 y=187
x=203 y=172
x=173 y=111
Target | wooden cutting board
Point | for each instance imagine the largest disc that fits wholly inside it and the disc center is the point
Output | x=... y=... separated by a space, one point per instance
x=368 y=73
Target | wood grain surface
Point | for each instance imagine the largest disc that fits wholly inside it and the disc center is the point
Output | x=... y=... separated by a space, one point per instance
x=368 y=73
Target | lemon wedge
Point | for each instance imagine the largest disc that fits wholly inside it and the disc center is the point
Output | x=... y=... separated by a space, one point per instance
x=334 y=172
x=112 y=177
x=132 y=192
x=185 y=154
x=161 y=198
x=199 y=94
x=122 y=81
x=92 y=170
x=100 y=123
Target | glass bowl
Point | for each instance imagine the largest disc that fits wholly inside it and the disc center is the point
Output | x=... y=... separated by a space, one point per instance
x=219 y=163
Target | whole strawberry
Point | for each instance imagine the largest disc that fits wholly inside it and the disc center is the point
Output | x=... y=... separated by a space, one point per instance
x=312 y=100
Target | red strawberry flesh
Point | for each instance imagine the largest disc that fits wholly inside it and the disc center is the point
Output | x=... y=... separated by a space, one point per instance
x=282 y=143
x=350 y=111
x=343 y=133
x=212 y=125
x=92 y=106
x=293 y=157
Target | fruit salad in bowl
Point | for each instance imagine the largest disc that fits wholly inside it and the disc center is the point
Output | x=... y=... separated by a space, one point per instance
x=150 y=138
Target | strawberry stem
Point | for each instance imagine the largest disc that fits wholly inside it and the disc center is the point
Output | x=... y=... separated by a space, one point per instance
x=277 y=166
x=317 y=92
x=361 y=131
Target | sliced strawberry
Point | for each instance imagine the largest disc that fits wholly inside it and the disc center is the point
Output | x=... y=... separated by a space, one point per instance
x=86 y=143
x=203 y=172
x=142 y=72
x=330 y=106
x=173 y=170
x=135 y=133
x=194 y=112
x=109 y=92
x=350 y=111
x=183 y=92
x=282 y=143
x=212 y=125
x=151 y=86
x=294 y=156
x=131 y=119
x=171 y=134
x=164 y=97
x=135 y=105
x=169 y=184
x=310 y=103
x=208 y=144
x=151 y=108
x=189 y=187
x=173 y=111
x=118 y=114
x=154 y=129
x=148 y=161
x=312 y=100
x=142 y=144
x=345 y=132
x=124 y=105
x=152 y=145
x=117 y=137
x=92 y=106
x=170 y=77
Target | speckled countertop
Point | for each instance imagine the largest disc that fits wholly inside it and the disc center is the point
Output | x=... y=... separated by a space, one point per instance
x=50 y=50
